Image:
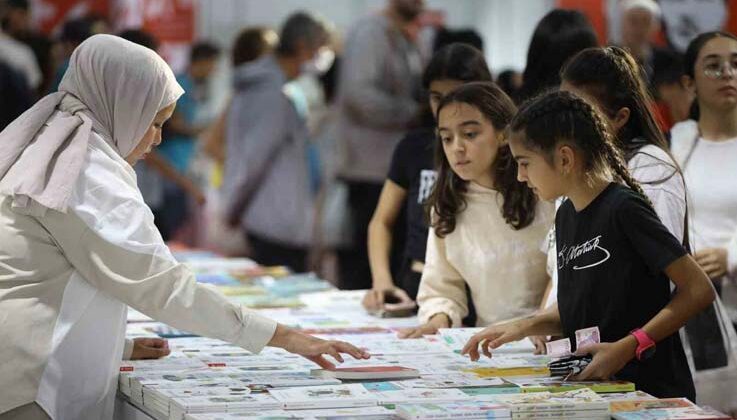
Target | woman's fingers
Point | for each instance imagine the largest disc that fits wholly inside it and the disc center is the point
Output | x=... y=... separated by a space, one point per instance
x=348 y=348
x=485 y=348
x=322 y=362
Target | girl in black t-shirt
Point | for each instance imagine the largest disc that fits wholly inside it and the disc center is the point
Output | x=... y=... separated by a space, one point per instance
x=410 y=180
x=614 y=254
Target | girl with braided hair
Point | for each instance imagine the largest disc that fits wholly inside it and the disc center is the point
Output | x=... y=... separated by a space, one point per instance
x=614 y=257
x=487 y=229
x=611 y=79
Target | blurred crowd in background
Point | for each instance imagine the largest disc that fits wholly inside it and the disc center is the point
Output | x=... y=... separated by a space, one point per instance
x=294 y=179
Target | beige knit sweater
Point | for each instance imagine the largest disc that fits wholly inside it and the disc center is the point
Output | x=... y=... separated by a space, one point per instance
x=504 y=268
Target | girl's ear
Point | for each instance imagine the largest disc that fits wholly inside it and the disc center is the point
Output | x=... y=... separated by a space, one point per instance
x=621 y=118
x=565 y=159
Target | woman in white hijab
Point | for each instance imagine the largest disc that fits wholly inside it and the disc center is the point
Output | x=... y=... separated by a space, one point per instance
x=78 y=244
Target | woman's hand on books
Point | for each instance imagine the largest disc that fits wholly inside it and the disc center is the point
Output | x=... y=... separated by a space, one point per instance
x=494 y=336
x=375 y=298
x=313 y=348
x=149 y=348
x=608 y=358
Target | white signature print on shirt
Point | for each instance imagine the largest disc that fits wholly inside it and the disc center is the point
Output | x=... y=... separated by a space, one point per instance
x=566 y=255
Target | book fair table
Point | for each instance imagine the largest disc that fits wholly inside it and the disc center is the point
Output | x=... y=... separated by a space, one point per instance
x=206 y=379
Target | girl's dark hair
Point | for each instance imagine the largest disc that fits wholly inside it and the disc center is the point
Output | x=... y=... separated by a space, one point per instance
x=692 y=54
x=564 y=117
x=614 y=78
x=447 y=199
x=456 y=61
x=558 y=36
x=253 y=43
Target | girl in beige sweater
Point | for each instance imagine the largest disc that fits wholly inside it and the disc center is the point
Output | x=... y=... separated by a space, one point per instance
x=487 y=229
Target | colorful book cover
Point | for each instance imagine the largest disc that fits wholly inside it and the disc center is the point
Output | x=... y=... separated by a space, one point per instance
x=486 y=372
x=637 y=405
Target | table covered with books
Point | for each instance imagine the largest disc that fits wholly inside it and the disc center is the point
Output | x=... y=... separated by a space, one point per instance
x=427 y=378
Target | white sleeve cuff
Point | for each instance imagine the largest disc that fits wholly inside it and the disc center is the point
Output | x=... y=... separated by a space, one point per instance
x=128 y=349
x=257 y=331
x=445 y=306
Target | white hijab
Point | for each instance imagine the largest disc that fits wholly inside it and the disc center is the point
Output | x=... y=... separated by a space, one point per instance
x=112 y=87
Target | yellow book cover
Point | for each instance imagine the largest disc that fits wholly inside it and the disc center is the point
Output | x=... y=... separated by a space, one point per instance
x=637 y=405
x=487 y=372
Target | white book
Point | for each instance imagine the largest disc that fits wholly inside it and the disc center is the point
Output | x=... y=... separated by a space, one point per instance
x=284 y=379
x=168 y=364
x=461 y=410
x=454 y=380
x=627 y=396
x=272 y=368
x=224 y=402
x=335 y=396
x=240 y=415
x=693 y=413
x=416 y=346
x=363 y=413
x=166 y=394
x=408 y=396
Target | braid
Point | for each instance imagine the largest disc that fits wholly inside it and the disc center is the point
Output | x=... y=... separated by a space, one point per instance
x=616 y=161
x=615 y=158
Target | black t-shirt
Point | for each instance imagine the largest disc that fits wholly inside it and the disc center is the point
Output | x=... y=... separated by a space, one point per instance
x=412 y=168
x=611 y=257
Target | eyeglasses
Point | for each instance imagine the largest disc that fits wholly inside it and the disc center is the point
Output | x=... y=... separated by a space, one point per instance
x=717 y=69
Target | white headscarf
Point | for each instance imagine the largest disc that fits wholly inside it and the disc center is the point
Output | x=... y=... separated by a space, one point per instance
x=112 y=87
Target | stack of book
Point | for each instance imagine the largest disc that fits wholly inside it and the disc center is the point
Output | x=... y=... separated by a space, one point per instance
x=181 y=406
x=559 y=385
x=577 y=404
x=335 y=396
x=667 y=408
x=462 y=410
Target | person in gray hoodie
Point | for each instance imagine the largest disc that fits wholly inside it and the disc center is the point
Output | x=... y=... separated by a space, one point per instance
x=266 y=183
x=379 y=86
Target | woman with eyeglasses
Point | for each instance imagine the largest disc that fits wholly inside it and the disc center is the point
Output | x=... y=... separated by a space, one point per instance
x=706 y=148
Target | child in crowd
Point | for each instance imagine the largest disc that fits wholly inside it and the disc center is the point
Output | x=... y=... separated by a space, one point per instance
x=411 y=179
x=614 y=255
x=486 y=228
